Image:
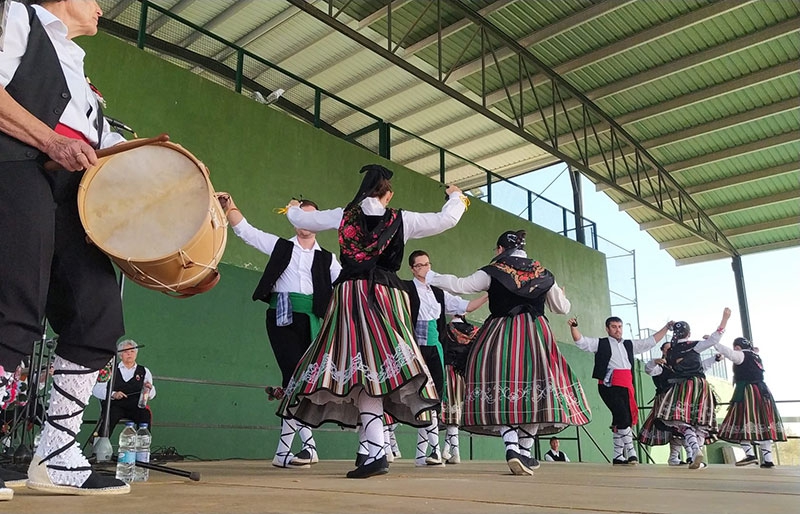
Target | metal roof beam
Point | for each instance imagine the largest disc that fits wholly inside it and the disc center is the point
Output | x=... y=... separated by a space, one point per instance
x=689 y=215
x=543 y=34
x=743 y=251
x=162 y=19
x=216 y=21
x=623 y=45
x=790 y=167
x=117 y=9
x=738 y=231
x=381 y=13
x=786 y=196
x=682 y=64
x=727 y=153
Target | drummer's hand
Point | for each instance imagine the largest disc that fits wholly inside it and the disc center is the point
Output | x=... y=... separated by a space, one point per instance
x=293 y=203
x=118 y=395
x=226 y=201
x=72 y=154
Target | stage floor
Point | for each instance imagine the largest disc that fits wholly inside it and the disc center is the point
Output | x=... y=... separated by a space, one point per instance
x=240 y=486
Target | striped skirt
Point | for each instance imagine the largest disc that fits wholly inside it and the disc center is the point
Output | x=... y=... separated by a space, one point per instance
x=453 y=402
x=362 y=348
x=654 y=432
x=515 y=376
x=755 y=418
x=691 y=402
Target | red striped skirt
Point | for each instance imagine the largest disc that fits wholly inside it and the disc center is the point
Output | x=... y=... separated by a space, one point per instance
x=453 y=401
x=362 y=347
x=755 y=418
x=516 y=375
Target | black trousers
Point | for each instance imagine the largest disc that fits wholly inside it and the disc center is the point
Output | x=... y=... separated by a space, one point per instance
x=431 y=357
x=125 y=408
x=48 y=268
x=617 y=400
x=289 y=343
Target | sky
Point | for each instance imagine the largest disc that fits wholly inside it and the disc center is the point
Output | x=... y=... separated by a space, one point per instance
x=696 y=293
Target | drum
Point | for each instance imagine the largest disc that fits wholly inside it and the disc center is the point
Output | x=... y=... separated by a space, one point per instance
x=153 y=210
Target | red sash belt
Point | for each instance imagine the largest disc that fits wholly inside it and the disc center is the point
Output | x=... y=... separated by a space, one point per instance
x=624 y=378
x=71 y=133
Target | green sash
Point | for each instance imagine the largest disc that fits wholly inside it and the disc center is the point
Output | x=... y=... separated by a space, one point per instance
x=302 y=303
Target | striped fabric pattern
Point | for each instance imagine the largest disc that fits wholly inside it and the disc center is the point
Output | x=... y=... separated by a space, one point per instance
x=453 y=402
x=516 y=376
x=691 y=401
x=755 y=418
x=653 y=431
x=362 y=347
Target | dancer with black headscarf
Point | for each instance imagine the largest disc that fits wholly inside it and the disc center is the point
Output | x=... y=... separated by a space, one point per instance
x=364 y=362
x=689 y=405
x=517 y=382
x=752 y=413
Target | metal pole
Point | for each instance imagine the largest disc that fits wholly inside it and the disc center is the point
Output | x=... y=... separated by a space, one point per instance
x=741 y=294
x=577 y=202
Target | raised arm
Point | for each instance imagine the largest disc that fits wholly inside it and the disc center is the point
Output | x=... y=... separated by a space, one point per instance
x=315 y=221
x=735 y=356
x=642 y=345
x=475 y=283
x=715 y=336
x=587 y=344
x=417 y=225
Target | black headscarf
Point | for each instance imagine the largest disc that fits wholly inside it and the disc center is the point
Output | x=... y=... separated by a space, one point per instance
x=373 y=174
x=743 y=343
x=510 y=241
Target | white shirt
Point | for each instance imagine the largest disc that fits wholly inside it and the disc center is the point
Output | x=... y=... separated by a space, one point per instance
x=430 y=309
x=415 y=225
x=735 y=356
x=100 y=388
x=619 y=357
x=480 y=281
x=70 y=56
x=297 y=276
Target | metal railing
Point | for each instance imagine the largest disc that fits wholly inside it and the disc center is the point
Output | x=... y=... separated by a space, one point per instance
x=154 y=28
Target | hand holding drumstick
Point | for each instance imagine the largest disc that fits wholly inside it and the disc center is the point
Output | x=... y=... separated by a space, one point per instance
x=233 y=214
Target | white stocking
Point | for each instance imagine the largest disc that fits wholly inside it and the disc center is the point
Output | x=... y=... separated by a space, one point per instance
x=526 y=435
x=766 y=450
x=371 y=414
x=283 y=455
x=72 y=387
x=510 y=438
x=308 y=438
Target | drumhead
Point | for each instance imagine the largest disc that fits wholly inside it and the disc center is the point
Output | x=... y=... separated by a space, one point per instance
x=146 y=203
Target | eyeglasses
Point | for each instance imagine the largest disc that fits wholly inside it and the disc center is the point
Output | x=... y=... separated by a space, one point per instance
x=422 y=265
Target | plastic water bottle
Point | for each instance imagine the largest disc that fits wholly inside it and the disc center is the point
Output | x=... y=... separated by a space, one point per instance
x=143 y=438
x=126 y=460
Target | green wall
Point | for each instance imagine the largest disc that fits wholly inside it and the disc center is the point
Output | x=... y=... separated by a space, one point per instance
x=263 y=158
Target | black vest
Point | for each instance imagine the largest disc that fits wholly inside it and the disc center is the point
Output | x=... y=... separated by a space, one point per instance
x=39 y=86
x=751 y=370
x=320 y=275
x=662 y=381
x=603 y=356
x=558 y=457
x=684 y=361
x=132 y=388
x=413 y=296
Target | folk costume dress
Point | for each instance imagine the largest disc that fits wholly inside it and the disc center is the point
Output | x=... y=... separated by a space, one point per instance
x=752 y=413
x=689 y=405
x=366 y=342
x=517 y=381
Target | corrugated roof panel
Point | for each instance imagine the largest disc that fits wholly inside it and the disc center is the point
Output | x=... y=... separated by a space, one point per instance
x=753 y=216
x=767 y=237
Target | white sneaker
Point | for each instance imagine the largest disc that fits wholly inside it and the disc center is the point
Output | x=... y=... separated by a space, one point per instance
x=285 y=462
x=454 y=459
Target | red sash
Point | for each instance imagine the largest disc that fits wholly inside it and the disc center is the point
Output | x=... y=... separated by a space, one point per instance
x=624 y=378
x=71 y=133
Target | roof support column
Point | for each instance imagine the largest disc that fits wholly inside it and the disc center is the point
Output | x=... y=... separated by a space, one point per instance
x=577 y=202
x=741 y=294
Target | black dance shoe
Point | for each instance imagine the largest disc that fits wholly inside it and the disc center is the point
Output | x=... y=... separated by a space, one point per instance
x=374 y=468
